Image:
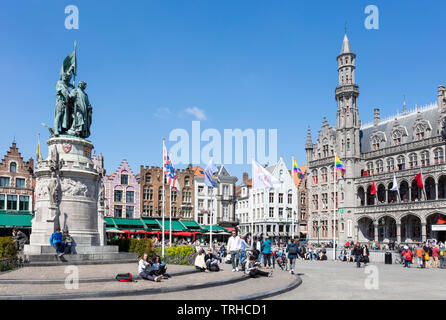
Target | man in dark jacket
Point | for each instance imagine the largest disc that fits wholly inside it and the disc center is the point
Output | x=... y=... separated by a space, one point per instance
x=211 y=261
x=357 y=254
x=293 y=251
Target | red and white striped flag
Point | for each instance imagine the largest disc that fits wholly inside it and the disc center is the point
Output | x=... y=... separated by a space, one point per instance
x=169 y=171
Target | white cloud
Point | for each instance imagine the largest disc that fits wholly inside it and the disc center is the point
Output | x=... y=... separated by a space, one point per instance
x=197 y=113
x=162 y=113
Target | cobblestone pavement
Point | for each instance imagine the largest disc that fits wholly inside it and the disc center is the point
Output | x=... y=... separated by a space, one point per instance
x=279 y=279
x=229 y=291
x=85 y=271
x=342 y=280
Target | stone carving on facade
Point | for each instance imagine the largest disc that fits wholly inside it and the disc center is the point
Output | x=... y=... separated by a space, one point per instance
x=53 y=190
x=74 y=188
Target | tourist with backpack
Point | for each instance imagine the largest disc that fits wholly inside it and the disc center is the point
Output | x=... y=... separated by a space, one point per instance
x=146 y=271
x=293 y=251
x=408 y=258
x=266 y=252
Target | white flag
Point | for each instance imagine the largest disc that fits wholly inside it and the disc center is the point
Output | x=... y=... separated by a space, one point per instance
x=394 y=184
x=261 y=178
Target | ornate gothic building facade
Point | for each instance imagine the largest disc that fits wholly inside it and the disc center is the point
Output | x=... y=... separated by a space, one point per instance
x=398 y=148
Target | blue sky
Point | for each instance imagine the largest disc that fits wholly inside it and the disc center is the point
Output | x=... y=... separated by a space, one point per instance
x=245 y=64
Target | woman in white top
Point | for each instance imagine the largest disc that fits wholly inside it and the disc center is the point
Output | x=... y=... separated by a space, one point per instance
x=200 y=264
x=146 y=271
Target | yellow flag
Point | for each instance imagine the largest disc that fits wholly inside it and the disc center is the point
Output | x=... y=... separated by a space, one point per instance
x=38 y=148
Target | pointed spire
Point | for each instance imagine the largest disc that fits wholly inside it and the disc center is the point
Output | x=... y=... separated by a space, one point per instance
x=404 y=105
x=309 y=144
x=346 y=46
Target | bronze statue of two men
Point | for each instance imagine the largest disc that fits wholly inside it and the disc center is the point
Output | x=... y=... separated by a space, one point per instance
x=73 y=112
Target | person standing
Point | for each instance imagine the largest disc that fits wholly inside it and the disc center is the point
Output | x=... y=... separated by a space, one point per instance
x=19 y=238
x=56 y=242
x=243 y=246
x=234 y=250
x=419 y=253
x=426 y=255
x=365 y=254
x=266 y=252
x=293 y=251
x=357 y=254
x=435 y=254
x=408 y=258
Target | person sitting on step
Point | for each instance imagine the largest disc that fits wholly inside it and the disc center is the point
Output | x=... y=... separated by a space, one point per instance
x=160 y=267
x=146 y=271
x=252 y=269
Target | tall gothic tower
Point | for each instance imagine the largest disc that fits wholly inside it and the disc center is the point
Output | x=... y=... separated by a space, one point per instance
x=347 y=121
x=347 y=135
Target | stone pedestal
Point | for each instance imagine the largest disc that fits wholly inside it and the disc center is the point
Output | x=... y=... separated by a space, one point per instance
x=67 y=187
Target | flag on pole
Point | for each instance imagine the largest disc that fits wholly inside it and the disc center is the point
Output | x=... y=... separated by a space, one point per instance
x=373 y=188
x=419 y=181
x=394 y=184
x=209 y=172
x=169 y=171
x=340 y=166
x=297 y=170
x=38 y=149
x=261 y=178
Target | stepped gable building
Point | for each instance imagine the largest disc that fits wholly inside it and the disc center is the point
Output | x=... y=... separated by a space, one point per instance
x=181 y=204
x=403 y=145
x=16 y=183
x=122 y=193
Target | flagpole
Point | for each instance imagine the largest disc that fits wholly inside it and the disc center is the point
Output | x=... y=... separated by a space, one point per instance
x=334 y=209
x=292 y=215
x=163 y=237
x=424 y=189
x=170 y=216
x=212 y=217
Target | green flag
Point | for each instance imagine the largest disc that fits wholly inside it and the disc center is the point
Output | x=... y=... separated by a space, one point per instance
x=69 y=61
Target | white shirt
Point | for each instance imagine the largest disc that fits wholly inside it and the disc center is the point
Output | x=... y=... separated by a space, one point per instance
x=142 y=265
x=234 y=243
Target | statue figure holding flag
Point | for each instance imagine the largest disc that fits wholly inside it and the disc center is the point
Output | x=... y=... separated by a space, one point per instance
x=73 y=112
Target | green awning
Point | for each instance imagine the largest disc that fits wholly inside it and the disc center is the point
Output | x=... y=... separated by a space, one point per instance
x=128 y=222
x=176 y=225
x=109 y=222
x=152 y=224
x=192 y=226
x=215 y=228
x=15 y=221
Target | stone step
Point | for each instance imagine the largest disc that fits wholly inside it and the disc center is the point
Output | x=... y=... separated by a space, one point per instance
x=202 y=285
x=33 y=249
x=53 y=259
x=117 y=289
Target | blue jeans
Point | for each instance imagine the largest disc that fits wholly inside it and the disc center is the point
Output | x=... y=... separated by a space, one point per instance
x=311 y=255
x=242 y=256
x=59 y=247
x=358 y=260
x=407 y=263
x=235 y=258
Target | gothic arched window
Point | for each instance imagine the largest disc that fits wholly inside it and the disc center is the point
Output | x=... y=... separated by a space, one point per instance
x=425 y=161
x=390 y=165
x=438 y=156
x=419 y=132
x=401 y=163
x=379 y=167
x=396 y=137
x=413 y=160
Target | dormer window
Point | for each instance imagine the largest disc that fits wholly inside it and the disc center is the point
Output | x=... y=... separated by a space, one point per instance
x=13 y=167
x=396 y=138
x=419 y=132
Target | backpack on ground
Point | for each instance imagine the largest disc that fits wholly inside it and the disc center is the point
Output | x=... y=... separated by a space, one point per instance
x=124 y=277
x=214 y=267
